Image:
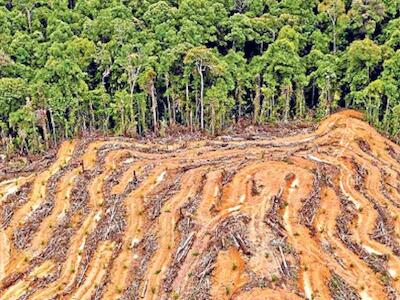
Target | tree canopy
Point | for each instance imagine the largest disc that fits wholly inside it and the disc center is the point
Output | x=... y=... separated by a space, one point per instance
x=135 y=66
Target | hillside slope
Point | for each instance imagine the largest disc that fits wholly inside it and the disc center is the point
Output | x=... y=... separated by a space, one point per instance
x=310 y=215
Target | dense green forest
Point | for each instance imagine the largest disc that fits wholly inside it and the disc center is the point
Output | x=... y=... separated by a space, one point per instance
x=139 y=66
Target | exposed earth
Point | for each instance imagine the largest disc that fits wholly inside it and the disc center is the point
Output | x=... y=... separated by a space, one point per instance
x=308 y=215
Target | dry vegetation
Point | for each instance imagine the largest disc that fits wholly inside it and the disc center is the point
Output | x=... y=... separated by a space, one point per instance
x=308 y=215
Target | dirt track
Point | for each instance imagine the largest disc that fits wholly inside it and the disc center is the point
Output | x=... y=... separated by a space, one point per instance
x=314 y=215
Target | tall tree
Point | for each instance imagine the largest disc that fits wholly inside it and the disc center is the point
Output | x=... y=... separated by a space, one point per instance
x=285 y=68
x=324 y=77
x=361 y=60
x=147 y=81
x=336 y=12
x=203 y=59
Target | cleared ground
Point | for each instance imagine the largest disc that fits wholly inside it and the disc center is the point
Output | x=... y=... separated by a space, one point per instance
x=310 y=215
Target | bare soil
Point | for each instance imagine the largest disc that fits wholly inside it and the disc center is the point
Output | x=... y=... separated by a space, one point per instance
x=299 y=212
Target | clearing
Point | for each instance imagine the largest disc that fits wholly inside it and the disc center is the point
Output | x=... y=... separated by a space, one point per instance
x=311 y=214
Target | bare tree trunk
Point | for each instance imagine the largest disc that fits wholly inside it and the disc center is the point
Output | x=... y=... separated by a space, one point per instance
x=334 y=39
x=154 y=107
x=200 y=70
x=92 y=120
x=256 y=100
x=173 y=109
x=197 y=108
x=105 y=74
x=191 y=120
x=168 y=99
x=24 y=144
x=29 y=18
x=41 y=116
x=238 y=95
x=333 y=18
x=133 y=75
x=212 y=119
x=187 y=105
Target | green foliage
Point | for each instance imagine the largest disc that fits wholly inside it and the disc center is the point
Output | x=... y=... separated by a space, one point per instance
x=128 y=67
x=23 y=121
x=218 y=104
x=324 y=77
x=13 y=93
x=362 y=59
x=365 y=15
